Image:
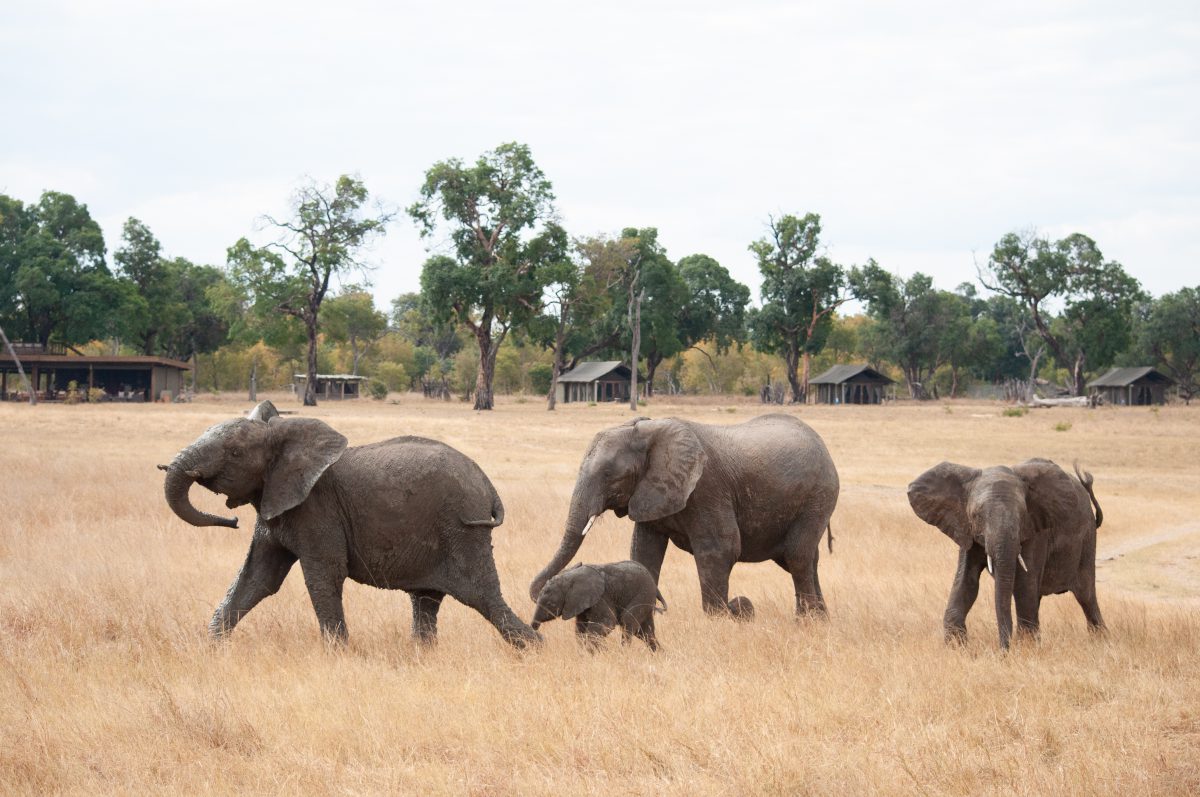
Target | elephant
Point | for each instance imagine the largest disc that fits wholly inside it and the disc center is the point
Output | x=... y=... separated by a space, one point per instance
x=1030 y=525
x=760 y=490
x=407 y=513
x=599 y=597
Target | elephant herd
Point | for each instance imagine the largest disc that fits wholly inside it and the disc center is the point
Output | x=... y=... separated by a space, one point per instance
x=414 y=514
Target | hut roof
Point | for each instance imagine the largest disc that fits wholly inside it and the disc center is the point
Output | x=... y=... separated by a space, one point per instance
x=844 y=373
x=591 y=371
x=1123 y=377
x=336 y=377
x=83 y=361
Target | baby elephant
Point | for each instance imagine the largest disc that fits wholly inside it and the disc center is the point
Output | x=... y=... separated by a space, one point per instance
x=599 y=597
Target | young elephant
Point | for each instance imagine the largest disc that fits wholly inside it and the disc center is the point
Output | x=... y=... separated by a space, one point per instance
x=1030 y=525
x=406 y=513
x=599 y=597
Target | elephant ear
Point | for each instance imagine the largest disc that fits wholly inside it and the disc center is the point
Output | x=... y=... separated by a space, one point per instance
x=584 y=590
x=1052 y=497
x=674 y=461
x=264 y=412
x=939 y=497
x=303 y=449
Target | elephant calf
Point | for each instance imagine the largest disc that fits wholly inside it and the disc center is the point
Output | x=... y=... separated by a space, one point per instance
x=599 y=597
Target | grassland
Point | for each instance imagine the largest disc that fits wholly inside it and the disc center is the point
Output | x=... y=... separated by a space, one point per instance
x=109 y=685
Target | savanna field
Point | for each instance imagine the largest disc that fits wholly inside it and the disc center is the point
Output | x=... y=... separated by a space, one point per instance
x=109 y=683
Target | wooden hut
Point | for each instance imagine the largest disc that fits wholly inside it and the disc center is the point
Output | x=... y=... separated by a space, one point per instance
x=1130 y=387
x=50 y=370
x=595 y=381
x=851 y=384
x=333 y=387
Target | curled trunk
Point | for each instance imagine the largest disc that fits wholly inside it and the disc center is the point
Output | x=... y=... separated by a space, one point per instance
x=178 y=483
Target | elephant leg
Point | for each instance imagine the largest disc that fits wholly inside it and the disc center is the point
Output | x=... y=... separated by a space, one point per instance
x=648 y=549
x=1086 y=595
x=971 y=562
x=801 y=557
x=475 y=583
x=266 y=566
x=324 y=581
x=713 y=567
x=1025 y=595
x=425 y=605
x=594 y=624
x=641 y=627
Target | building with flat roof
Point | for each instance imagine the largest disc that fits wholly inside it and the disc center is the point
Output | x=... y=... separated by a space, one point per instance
x=51 y=369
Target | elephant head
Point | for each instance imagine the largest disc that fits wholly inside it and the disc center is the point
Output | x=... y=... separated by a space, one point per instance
x=998 y=508
x=568 y=594
x=645 y=469
x=262 y=459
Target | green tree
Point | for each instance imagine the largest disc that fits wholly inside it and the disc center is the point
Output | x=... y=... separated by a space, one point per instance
x=919 y=326
x=499 y=214
x=1170 y=333
x=321 y=241
x=54 y=279
x=351 y=318
x=800 y=292
x=1096 y=295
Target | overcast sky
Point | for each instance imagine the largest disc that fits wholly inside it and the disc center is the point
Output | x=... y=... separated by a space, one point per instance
x=920 y=132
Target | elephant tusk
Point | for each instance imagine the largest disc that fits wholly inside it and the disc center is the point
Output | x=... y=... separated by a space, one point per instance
x=990 y=570
x=193 y=474
x=1021 y=561
x=588 y=527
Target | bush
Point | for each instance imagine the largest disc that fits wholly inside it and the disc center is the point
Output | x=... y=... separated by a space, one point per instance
x=392 y=376
x=378 y=390
x=1062 y=426
x=1014 y=412
x=539 y=378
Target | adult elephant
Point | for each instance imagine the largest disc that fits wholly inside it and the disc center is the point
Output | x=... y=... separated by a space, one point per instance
x=756 y=491
x=1030 y=525
x=406 y=513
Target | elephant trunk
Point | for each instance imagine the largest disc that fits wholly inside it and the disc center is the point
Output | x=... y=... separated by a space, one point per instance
x=579 y=520
x=1004 y=555
x=180 y=475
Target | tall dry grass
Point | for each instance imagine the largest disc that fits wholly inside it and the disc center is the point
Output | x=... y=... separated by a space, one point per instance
x=109 y=685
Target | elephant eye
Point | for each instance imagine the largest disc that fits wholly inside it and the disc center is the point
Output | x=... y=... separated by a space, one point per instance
x=235 y=452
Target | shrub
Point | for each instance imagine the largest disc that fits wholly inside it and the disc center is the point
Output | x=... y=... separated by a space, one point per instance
x=1014 y=412
x=378 y=390
x=539 y=378
x=1062 y=426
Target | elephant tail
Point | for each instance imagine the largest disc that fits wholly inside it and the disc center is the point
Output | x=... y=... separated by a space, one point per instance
x=828 y=536
x=1085 y=478
x=658 y=597
x=495 y=520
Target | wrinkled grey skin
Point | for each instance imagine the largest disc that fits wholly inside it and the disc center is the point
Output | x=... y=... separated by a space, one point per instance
x=755 y=491
x=1034 y=511
x=601 y=597
x=406 y=513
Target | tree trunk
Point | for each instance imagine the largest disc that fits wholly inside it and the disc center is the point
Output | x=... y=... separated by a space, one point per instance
x=487 y=368
x=310 y=380
x=652 y=363
x=635 y=328
x=806 y=361
x=792 y=362
x=254 y=380
x=1077 y=375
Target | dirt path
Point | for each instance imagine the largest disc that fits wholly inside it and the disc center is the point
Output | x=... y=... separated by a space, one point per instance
x=1163 y=565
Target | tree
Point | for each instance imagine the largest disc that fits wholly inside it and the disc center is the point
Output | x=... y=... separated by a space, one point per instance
x=800 y=292
x=140 y=261
x=320 y=241
x=53 y=277
x=351 y=318
x=1170 y=333
x=1097 y=297
x=499 y=213
x=920 y=325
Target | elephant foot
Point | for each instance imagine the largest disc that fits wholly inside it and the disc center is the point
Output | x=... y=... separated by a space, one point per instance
x=522 y=638
x=955 y=636
x=741 y=608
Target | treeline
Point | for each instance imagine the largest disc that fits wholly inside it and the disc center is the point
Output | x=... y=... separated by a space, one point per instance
x=509 y=301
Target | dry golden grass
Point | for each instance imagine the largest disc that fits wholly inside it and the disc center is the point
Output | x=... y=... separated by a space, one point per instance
x=109 y=685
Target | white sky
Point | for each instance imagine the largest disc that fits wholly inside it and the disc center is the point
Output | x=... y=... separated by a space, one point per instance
x=920 y=131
